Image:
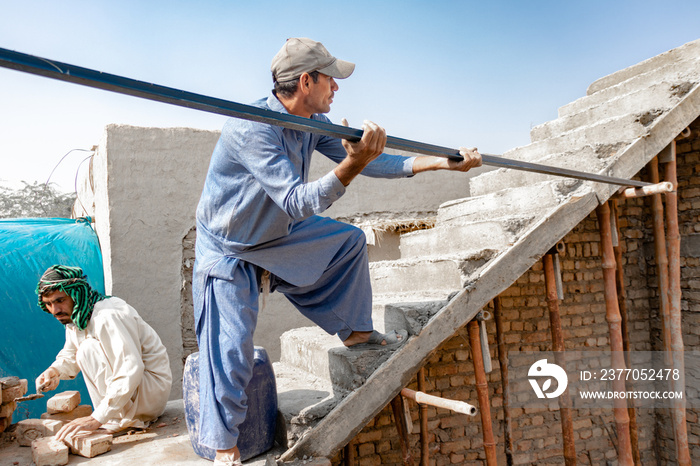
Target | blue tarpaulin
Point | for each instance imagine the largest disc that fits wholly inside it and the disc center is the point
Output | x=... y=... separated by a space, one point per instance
x=29 y=337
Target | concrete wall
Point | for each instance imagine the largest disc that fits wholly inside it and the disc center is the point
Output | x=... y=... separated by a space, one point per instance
x=147 y=182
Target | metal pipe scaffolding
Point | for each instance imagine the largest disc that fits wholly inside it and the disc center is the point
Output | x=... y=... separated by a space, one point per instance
x=122 y=85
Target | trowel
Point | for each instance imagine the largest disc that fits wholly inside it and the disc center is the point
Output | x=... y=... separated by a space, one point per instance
x=39 y=394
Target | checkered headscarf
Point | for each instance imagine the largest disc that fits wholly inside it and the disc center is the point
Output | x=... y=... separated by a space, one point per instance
x=73 y=282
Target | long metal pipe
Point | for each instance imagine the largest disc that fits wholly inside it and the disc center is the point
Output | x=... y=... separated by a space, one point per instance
x=567 y=424
x=109 y=82
x=622 y=305
x=612 y=315
x=423 y=413
x=674 y=301
x=482 y=391
x=505 y=383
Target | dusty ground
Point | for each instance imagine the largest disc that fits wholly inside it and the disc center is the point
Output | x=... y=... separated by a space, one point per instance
x=165 y=443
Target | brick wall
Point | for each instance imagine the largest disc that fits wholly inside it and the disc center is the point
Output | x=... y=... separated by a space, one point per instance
x=456 y=439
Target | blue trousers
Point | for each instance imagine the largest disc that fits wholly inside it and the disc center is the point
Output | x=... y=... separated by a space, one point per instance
x=340 y=302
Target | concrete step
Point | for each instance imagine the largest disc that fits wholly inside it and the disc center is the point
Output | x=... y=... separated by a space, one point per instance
x=437 y=273
x=407 y=311
x=312 y=350
x=687 y=51
x=490 y=201
x=658 y=96
x=674 y=73
x=302 y=399
x=460 y=238
x=622 y=129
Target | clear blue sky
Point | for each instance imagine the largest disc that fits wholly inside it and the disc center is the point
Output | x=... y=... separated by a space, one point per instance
x=444 y=72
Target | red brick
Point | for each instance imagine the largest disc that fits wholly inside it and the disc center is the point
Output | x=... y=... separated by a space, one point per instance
x=29 y=430
x=6 y=409
x=13 y=388
x=48 y=451
x=63 y=402
x=80 y=411
x=90 y=445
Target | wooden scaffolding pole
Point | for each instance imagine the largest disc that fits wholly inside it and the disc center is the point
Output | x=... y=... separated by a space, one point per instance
x=660 y=255
x=424 y=440
x=503 y=363
x=567 y=425
x=397 y=406
x=622 y=304
x=678 y=412
x=349 y=454
x=622 y=419
x=482 y=391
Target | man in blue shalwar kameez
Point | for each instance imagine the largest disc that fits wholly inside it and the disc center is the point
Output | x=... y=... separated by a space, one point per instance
x=258 y=217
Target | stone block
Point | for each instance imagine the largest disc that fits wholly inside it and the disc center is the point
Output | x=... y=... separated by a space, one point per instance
x=63 y=402
x=90 y=445
x=13 y=387
x=80 y=411
x=6 y=409
x=29 y=430
x=48 y=451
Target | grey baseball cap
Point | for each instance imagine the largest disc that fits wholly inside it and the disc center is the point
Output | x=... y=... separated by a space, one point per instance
x=302 y=55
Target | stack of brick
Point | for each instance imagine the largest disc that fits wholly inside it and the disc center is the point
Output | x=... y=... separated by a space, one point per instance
x=39 y=433
x=10 y=388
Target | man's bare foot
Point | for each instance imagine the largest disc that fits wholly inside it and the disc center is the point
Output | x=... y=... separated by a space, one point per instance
x=230 y=457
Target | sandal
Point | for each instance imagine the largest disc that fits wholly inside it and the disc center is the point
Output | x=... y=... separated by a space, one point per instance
x=226 y=462
x=394 y=339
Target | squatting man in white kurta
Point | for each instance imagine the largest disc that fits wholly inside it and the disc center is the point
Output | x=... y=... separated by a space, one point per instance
x=124 y=363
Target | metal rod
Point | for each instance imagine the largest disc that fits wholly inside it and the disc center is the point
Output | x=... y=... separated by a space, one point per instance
x=398 y=409
x=622 y=304
x=674 y=301
x=612 y=315
x=503 y=363
x=423 y=413
x=482 y=391
x=78 y=75
x=565 y=404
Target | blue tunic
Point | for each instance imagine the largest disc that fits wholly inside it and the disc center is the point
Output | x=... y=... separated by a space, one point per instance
x=258 y=212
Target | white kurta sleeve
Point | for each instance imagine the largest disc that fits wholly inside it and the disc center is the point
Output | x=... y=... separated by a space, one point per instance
x=65 y=362
x=119 y=337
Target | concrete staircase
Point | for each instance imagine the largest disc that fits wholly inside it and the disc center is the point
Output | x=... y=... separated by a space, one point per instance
x=480 y=245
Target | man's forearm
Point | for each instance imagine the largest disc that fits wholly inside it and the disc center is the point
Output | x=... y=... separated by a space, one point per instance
x=425 y=163
x=347 y=170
